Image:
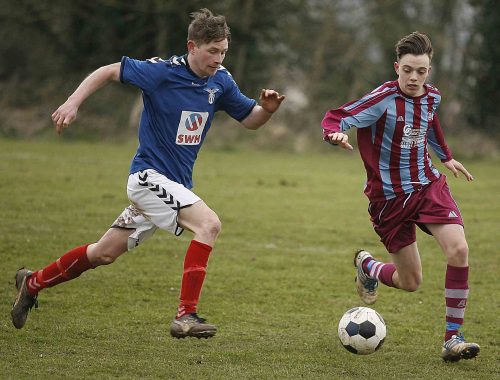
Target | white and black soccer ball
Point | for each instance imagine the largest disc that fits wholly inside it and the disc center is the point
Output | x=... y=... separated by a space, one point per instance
x=362 y=330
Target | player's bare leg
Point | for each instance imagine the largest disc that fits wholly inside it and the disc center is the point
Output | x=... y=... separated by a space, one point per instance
x=202 y=221
x=408 y=274
x=109 y=247
x=205 y=225
x=451 y=239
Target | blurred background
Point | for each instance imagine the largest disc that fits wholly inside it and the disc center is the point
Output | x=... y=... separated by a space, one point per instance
x=320 y=53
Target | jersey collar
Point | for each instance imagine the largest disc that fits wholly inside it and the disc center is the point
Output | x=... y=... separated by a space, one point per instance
x=426 y=92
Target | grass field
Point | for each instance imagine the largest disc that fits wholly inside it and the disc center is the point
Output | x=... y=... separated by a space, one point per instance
x=279 y=279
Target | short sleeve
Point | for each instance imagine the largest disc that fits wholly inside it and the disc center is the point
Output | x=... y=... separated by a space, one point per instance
x=234 y=102
x=146 y=75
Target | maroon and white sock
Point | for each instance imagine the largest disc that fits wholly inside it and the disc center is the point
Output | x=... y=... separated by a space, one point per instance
x=456 y=293
x=69 y=266
x=381 y=271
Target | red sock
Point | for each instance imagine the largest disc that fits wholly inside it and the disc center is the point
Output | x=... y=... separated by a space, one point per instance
x=456 y=293
x=195 y=268
x=69 y=266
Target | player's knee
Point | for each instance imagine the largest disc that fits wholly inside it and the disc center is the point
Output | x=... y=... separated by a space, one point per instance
x=107 y=259
x=208 y=228
x=458 y=254
x=102 y=258
x=100 y=255
x=412 y=287
x=411 y=283
x=212 y=226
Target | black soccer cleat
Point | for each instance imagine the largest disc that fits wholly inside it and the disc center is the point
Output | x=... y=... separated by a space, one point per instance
x=193 y=326
x=24 y=301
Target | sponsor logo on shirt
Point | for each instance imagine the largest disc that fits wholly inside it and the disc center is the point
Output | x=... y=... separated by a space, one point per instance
x=191 y=127
x=452 y=214
x=400 y=118
x=412 y=137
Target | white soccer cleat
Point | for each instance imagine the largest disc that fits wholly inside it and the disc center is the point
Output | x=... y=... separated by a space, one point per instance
x=457 y=348
x=366 y=286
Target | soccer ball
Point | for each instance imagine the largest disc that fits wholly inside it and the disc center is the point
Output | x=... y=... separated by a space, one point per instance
x=362 y=330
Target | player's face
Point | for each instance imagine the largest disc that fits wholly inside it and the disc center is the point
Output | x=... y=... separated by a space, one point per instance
x=205 y=59
x=413 y=71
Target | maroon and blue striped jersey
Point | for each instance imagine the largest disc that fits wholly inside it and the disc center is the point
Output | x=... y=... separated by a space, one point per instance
x=393 y=132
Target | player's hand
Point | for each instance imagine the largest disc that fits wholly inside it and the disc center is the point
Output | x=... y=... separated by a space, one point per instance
x=455 y=167
x=64 y=116
x=339 y=138
x=270 y=100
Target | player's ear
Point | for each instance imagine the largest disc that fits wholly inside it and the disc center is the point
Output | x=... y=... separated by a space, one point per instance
x=190 y=46
x=396 y=67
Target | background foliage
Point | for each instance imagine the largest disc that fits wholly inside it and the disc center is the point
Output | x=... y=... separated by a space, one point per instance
x=276 y=289
x=321 y=53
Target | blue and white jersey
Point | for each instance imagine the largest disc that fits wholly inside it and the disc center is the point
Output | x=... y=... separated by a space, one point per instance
x=394 y=131
x=178 y=110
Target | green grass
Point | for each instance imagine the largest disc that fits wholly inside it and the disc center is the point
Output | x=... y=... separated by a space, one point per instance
x=279 y=278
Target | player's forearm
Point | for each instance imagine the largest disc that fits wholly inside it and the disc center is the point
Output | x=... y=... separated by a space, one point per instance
x=93 y=82
x=437 y=140
x=330 y=124
x=257 y=118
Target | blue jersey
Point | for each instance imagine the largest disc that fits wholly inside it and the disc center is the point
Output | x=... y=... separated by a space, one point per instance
x=178 y=110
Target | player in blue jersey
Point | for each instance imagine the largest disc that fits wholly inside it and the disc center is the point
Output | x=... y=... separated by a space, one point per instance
x=395 y=124
x=181 y=96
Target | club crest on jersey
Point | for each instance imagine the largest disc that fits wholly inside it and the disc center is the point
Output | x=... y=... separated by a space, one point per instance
x=191 y=126
x=211 y=94
x=430 y=116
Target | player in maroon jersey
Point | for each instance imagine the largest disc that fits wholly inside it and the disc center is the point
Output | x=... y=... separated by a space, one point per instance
x=395 y=124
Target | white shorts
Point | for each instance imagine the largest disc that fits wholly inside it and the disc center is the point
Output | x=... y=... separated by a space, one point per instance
x=155 y=203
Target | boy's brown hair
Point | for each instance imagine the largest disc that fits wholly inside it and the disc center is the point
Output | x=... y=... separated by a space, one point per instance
x=206 y=27
x=415 y=43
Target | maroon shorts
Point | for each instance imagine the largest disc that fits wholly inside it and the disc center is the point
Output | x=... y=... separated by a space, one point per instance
x=394 y=220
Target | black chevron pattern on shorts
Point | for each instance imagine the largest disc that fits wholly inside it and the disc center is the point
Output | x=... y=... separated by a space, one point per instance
x=160 y=192
x=143 y=178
